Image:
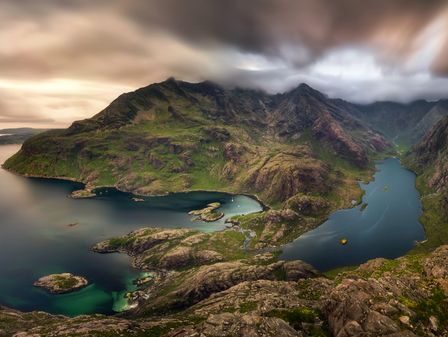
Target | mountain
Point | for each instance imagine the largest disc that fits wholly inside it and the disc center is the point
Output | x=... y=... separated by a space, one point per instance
x=438 y=112
x=430 y=157
x=176 y=136
x=404 y=124
x=17 y=135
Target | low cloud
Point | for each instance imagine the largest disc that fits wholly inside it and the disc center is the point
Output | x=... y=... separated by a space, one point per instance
x=62 y=60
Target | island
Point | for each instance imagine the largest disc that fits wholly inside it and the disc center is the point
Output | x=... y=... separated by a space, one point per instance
x=82 y=194
x=208 y=214
x=61 y=283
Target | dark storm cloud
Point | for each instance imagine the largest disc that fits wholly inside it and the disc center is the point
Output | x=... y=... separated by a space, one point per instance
x=264 y=26
x=66 y=59
x=257 y=26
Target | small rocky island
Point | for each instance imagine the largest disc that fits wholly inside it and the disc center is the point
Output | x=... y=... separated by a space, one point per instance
x=61 y=283
x=208 y=213
x=82 y=194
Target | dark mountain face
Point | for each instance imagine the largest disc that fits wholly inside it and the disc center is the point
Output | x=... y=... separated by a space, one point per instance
x=430 y=157
x=405 y=124
x=284 y=116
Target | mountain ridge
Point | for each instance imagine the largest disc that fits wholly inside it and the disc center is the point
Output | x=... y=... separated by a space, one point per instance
x=172 y=123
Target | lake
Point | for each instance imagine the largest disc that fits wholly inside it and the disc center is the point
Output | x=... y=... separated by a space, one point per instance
x=387 y=227
x=36 y=239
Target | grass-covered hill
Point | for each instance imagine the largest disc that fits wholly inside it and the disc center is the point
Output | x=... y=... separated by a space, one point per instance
x=177 y=136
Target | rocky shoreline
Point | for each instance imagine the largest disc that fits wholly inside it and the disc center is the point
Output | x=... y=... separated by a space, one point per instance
x=256 y=295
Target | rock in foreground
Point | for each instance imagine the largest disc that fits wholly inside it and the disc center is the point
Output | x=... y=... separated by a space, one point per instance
x=61 y=283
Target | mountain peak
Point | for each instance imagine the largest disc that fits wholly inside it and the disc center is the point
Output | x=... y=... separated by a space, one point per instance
x=304 y=89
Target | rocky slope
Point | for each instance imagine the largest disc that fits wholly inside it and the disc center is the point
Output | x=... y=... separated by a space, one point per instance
x=429 y=159
x=260 y=296
x=431 y=156
x=176 y=136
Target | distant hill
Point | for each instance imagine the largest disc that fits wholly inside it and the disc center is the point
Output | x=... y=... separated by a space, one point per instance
x=404 y=124
x=18 y=135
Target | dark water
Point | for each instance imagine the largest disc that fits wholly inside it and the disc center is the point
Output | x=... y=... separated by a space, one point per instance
x=35 y=239
x=388 y=227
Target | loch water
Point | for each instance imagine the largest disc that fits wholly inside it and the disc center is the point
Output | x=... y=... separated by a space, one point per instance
x=386 y=226
x=36 y=238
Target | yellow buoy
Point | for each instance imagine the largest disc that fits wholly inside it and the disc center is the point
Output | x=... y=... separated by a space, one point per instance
x=343 y=241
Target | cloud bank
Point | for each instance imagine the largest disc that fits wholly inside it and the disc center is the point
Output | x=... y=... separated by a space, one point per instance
x=62 y=60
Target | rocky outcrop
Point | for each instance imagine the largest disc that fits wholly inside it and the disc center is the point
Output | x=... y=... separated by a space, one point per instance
x=286 y=174
x=61 y=283
x=39 y=324
x=212 y=279
x=179 y=257
x=209 y=213
x=159 y=248
x=308 y=205
x=239 y=325
x=363 y=308
x=258 y=297
x=82 y=194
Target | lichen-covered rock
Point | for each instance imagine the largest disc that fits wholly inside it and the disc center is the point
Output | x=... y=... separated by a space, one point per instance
x=198 y=284
x=307 y=205
x=239 y=325
x=436 y=265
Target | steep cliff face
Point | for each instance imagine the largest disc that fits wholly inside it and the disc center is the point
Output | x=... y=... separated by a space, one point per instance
x=431 y=157
x=176 y=136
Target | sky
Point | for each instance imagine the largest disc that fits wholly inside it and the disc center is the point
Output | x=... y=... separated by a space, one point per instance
x=65 y=60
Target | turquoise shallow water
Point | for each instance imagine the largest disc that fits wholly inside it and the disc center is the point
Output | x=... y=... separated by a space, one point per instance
x=35 y=238
x=388 y=227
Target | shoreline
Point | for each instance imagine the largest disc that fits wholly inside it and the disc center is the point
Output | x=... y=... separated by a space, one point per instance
x=264 y=206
